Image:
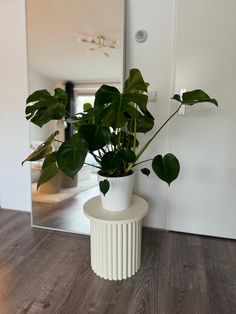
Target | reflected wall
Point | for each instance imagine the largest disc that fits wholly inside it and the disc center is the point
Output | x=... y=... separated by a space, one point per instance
x=81 y=42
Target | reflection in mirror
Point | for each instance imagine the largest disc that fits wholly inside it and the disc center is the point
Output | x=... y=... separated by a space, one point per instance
x=77 y=45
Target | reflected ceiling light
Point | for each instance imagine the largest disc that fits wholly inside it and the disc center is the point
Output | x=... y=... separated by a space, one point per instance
x=99 y=42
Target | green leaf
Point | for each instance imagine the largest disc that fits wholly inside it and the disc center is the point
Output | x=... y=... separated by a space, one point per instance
x=108 y=107
x=135 y=82
x=139 y=99
x=133 y=112
x=128 y=156
x=87 y=106
x=87 y=118
x=38 y=95
x=145 y=171
x=166 y=168
x=113 y=115
x=177 y=97
x=106 y=94
x=111 y=107
x=43 y=150
x=46 y=107
x=110 y=162
x=96 y=136
x=104 y=186
x=61 y=95
x=144 y=124
x=195 y=96
x=49 y=169
x=71 y=155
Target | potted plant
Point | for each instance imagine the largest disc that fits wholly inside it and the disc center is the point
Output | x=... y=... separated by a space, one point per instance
x=109 y=131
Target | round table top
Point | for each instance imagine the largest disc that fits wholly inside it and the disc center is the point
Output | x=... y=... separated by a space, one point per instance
x=138 y=209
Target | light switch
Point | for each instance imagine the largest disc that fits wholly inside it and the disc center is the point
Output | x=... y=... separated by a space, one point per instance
x=152 y=95
x=182 y=108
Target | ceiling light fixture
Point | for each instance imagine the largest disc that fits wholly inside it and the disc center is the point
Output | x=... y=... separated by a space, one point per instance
x=99 y=42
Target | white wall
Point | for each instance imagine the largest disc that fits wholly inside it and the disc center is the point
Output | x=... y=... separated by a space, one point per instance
x=154 y=59
x=15 y=187
x=203 y=199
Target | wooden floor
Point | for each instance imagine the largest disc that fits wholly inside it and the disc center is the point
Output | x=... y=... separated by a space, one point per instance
x=49 y=272
x=66 y=215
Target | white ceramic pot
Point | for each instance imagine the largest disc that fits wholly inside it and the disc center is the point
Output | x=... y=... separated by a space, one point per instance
x=119 y=196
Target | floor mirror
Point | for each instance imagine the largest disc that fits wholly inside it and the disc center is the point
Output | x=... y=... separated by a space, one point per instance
x=77 y=45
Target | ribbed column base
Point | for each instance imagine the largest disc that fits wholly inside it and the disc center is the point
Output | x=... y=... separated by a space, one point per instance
x=116 y=249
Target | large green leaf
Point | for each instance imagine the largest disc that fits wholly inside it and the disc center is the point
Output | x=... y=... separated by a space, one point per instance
x=96 y=136
x=46 y=107
x=105 y=95
x=166 y=168
x=195 y=96
x=135 y=82
x=43 y=150
x=132 y=111
x=139 y=99
x=108 y=107
x=38 y=95
x=80 y=119
x=113 y=109
x=111 y=162
x=61 y=95
x=71 y=155
x=114 y=163
x=113 y=115
x=49 y=169
x=127 y=156
x=144 y=124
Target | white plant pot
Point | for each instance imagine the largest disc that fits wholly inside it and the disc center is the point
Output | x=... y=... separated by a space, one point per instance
x=120 y=192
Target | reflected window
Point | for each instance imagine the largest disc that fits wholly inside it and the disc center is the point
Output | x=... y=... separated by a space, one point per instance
x=83 y=99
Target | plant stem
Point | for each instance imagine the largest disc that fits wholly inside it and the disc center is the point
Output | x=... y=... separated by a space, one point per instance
x=133 y=165
x=118 y=120
x=67 y=114
x=96 y=158
x=119 y=139
x=86 y=163
x=135 y=134
x=141 y=162
x=58 y=141
x=123 y=137
x=129 y=135
x=152 y=138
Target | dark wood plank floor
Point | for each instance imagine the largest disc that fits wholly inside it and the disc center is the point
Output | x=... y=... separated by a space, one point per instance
x=49 y=272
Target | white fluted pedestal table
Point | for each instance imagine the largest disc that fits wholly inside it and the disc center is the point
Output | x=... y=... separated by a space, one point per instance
x=116 y=238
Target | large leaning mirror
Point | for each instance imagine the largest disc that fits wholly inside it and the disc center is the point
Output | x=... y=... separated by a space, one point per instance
x=77 y=45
